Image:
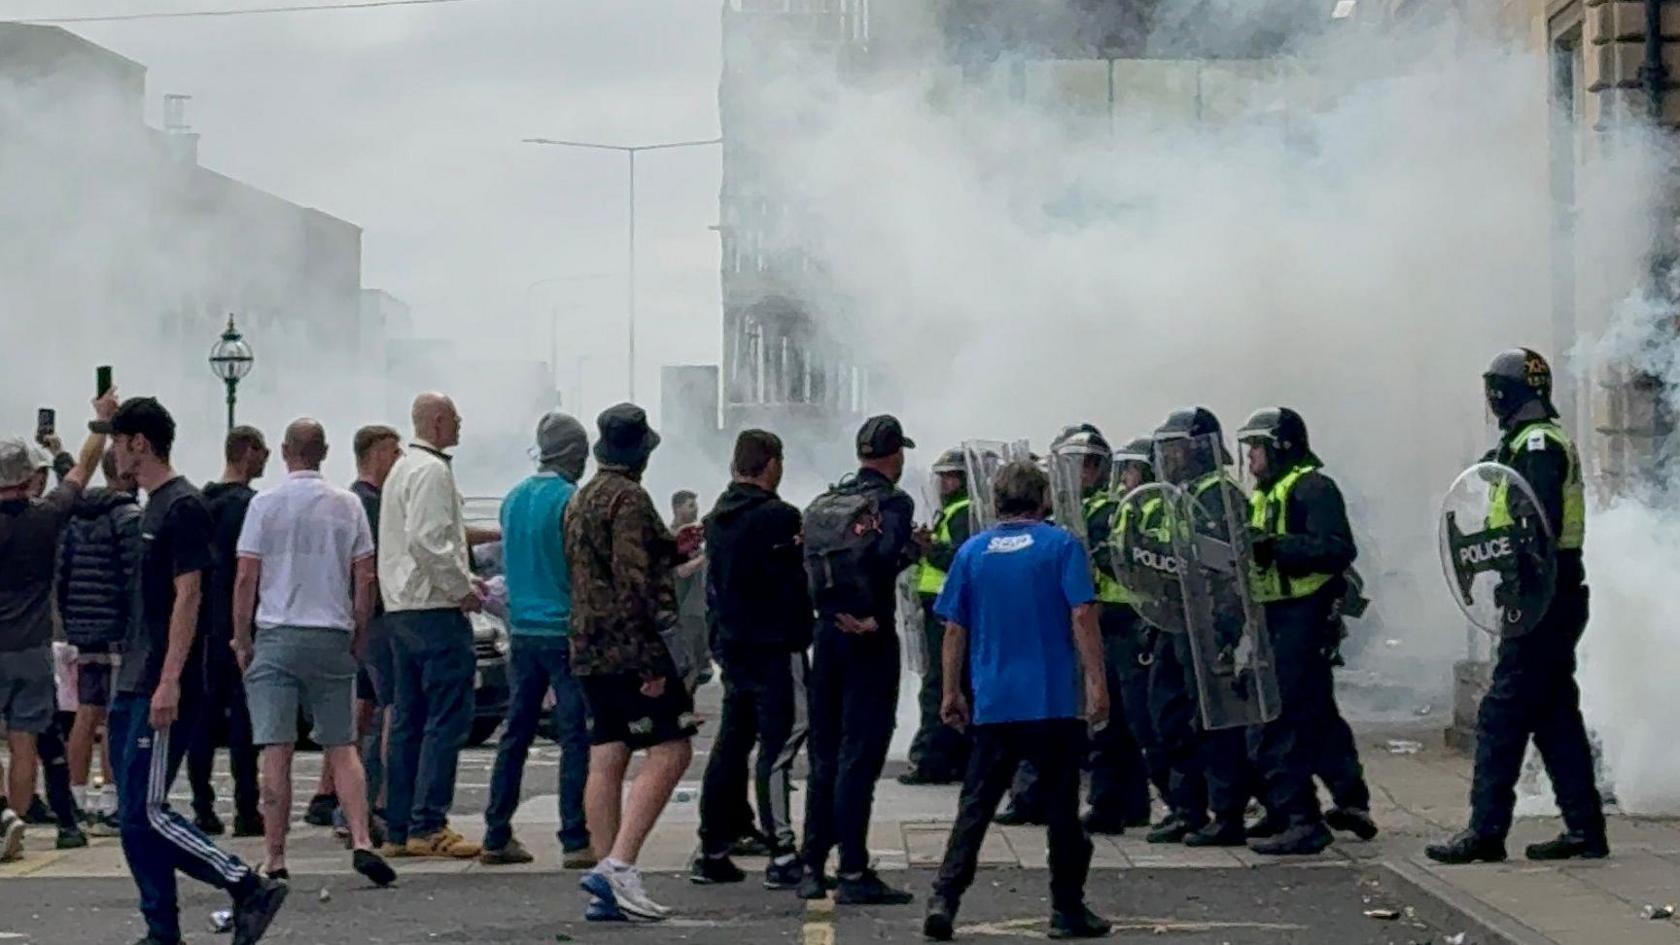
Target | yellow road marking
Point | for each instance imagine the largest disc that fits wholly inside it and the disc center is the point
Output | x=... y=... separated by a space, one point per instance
x=819 y=922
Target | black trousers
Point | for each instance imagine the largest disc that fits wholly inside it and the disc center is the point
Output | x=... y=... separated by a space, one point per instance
x=1292 y=749
x=1172 y=712
x=1053 y=748
x=938 y=751
x=764 y=706
x=1339 y=766
x=1533 y=693
x=854 y=704
x=224 y=719
x=1119 y=773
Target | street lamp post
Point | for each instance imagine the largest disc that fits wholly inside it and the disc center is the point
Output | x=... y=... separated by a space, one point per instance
x=231 y=360
x=629 y=151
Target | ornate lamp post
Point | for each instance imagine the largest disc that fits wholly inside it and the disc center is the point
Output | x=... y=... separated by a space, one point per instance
x=231 y=360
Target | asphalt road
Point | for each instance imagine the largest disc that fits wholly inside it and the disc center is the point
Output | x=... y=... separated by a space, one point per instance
x=1269 y=906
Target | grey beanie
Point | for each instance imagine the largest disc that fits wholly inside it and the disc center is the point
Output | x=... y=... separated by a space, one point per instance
x=17 y=462
x=562 y=444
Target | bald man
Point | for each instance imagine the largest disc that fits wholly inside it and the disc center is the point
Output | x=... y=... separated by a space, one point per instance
x=305 y=580
x=429 y=589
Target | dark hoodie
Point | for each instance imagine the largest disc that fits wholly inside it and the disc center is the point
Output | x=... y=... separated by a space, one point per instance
x=99 y=569
x=755 y=583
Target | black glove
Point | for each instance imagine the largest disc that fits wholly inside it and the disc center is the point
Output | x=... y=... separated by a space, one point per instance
x=1265 y=549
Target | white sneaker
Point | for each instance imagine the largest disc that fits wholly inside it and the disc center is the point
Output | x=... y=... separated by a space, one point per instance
x=633 y=898
x=11 y=836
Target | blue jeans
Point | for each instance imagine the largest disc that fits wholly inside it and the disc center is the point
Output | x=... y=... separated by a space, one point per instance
x=433 y=664
x=158 y=841
x=535 y=664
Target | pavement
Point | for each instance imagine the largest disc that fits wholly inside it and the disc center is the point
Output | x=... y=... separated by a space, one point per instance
x=1169 y=894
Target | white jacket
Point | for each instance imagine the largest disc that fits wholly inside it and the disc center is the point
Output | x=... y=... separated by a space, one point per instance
x=423 y=562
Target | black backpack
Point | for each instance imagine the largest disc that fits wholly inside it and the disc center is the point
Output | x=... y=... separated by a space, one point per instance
x=839 y=528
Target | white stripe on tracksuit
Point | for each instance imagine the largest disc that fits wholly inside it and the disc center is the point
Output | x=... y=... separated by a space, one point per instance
x=157 y=797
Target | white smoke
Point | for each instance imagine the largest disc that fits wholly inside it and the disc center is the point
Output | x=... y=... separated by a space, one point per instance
x=1352 y=231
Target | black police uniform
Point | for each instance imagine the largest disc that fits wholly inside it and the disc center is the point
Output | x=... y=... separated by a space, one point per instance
x=1119 y=775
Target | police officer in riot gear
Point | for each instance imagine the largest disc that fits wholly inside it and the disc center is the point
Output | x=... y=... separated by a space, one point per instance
x=1302 y=545
x=939 y=753
x=1532 y=690
x=1210 y=770
x=1119 y=795
x=1131 y=646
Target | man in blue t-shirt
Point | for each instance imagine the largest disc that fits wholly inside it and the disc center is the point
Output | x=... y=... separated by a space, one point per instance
x=1020 y=608
x=539 y=627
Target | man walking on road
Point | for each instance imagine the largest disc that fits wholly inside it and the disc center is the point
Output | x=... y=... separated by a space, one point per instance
x=306 y=552
x=762 y=618
x=539 y=629
x=155 y=696
x=29 y=533
x=1021 y=619
x=429 y=589
x=622 y=559
x=377 y=449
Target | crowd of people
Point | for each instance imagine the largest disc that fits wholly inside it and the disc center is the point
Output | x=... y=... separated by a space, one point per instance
x=223 y=616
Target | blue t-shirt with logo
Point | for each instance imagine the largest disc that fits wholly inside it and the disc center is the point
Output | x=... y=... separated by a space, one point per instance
x=1014 y=588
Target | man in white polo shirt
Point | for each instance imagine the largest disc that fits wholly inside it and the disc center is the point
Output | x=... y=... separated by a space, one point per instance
x=306 y=572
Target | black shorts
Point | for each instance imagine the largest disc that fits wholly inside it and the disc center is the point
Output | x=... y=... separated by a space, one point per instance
x=620 y=714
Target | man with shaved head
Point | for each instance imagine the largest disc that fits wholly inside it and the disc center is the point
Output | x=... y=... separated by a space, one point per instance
x=305 y=580
x=429 y=589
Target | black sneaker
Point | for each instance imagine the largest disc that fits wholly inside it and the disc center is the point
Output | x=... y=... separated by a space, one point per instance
x=209 y=824
x=1219 y=833
x=1172 y=830
x=917 y=778
x=1013 y=816
x=784 y=874
x=714 y=870
x=1079 y=924
x=1467 y=847
x=373 y=867
x=256 y=909
x=813 y=885
x=1299 y=840
x=1570 y=846
x=1352 y=820
x=72 y=839
x=38 y=814
x=1105 y=824
x=866 y=889
x=247 y=825
x=320 y=812
x=1266 y=828
x=940 y=923
x=751 y=843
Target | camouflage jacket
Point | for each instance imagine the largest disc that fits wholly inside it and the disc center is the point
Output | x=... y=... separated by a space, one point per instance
x=620 y=554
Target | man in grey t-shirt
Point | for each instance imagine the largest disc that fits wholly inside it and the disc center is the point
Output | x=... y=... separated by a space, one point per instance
x=29 y=530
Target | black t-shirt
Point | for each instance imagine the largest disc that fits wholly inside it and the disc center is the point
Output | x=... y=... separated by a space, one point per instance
x=369 y=494
x=29 y=532
x=228 y=503
x=176 y=539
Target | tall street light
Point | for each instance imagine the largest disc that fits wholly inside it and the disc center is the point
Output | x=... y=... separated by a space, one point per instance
x=231 y=360
x=630 y=152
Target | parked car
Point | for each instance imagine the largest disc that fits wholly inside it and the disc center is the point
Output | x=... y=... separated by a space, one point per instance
x=490 y=634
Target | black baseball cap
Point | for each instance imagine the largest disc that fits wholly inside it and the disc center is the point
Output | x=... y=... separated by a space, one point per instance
x=882 y=436
x=143 y=416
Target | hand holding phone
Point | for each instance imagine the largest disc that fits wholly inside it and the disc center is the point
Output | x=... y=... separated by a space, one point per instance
x=46 y=422
x=101 y=380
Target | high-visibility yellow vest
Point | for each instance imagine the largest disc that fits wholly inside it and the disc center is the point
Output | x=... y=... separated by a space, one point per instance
x=1572 y=533
x=931 y=580
x=1267 y=514
x=1109 y=590
x=1149 y=522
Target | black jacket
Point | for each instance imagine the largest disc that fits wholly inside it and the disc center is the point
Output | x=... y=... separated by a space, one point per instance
x=893 y=550
x=756 y=587
x=99 y=568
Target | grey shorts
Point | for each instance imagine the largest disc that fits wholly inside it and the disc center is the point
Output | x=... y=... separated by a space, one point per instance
x=28 y=692
x=305 y=669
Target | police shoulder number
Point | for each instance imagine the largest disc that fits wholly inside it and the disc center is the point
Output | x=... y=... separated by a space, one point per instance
x=1536 y=441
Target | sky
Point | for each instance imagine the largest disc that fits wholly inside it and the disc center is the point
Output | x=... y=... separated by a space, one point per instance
x=408 y=122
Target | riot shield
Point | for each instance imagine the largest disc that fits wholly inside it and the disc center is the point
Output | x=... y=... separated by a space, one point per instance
x=983 y=459
x=1236 y=676
x=1497 y=550
x=1143 y=560
x=1067 y=500
x=908 y=604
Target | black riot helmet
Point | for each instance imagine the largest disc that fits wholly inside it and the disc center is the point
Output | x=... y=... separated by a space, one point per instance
x=1519 y=381
x=1283 y=433
x=1137 y=453
x=1190 y=445
x=1087 y=442
x=951 y=462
